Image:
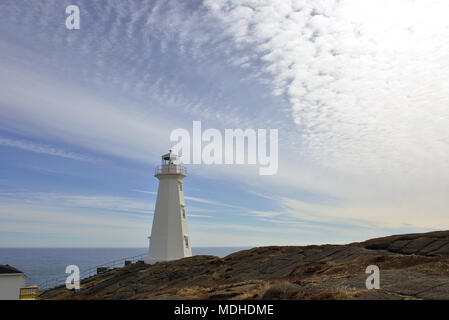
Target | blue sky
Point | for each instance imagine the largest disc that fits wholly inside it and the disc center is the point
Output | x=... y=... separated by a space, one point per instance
x=357 y=91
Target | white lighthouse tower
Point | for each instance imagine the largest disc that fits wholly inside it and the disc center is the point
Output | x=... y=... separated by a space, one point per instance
x=169 y=238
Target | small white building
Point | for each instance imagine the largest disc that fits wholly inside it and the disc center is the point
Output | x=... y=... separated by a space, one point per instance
x=11 y=280
x=169 y=238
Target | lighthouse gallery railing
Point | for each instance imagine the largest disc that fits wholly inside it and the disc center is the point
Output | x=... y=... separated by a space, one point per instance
x=170 y=168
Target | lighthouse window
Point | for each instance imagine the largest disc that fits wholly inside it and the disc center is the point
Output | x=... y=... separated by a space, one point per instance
x=186 y=241
x=183 y=209
x=180 y=186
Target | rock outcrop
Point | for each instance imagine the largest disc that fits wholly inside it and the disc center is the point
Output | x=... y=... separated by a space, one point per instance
x=412 y=266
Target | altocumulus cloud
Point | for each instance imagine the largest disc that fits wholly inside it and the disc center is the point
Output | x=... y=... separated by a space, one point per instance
x=367 y=86
x=365 y=80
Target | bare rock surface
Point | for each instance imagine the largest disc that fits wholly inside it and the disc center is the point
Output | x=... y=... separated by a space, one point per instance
x=412 y=266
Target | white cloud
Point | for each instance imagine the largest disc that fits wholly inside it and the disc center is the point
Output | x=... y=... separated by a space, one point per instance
x=367 y=85
x=146 y=192
x=47 y=109
x=197 y=199
x=46 y=149
x=212 y=202
x=98 y=202
x=199 y=216
x=265 y=214
x=365 y=80
x=38 y=225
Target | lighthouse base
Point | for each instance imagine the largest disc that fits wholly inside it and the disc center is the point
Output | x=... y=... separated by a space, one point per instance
x=155 y=260
x=152 y=260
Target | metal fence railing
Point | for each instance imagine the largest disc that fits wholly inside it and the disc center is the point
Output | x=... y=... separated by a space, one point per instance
x=84 y=274
x=170 y=168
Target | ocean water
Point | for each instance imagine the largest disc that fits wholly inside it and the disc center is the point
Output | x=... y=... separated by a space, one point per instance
x=47 y=264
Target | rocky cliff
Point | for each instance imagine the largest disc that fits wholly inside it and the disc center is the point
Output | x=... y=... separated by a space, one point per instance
x=412 y=266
